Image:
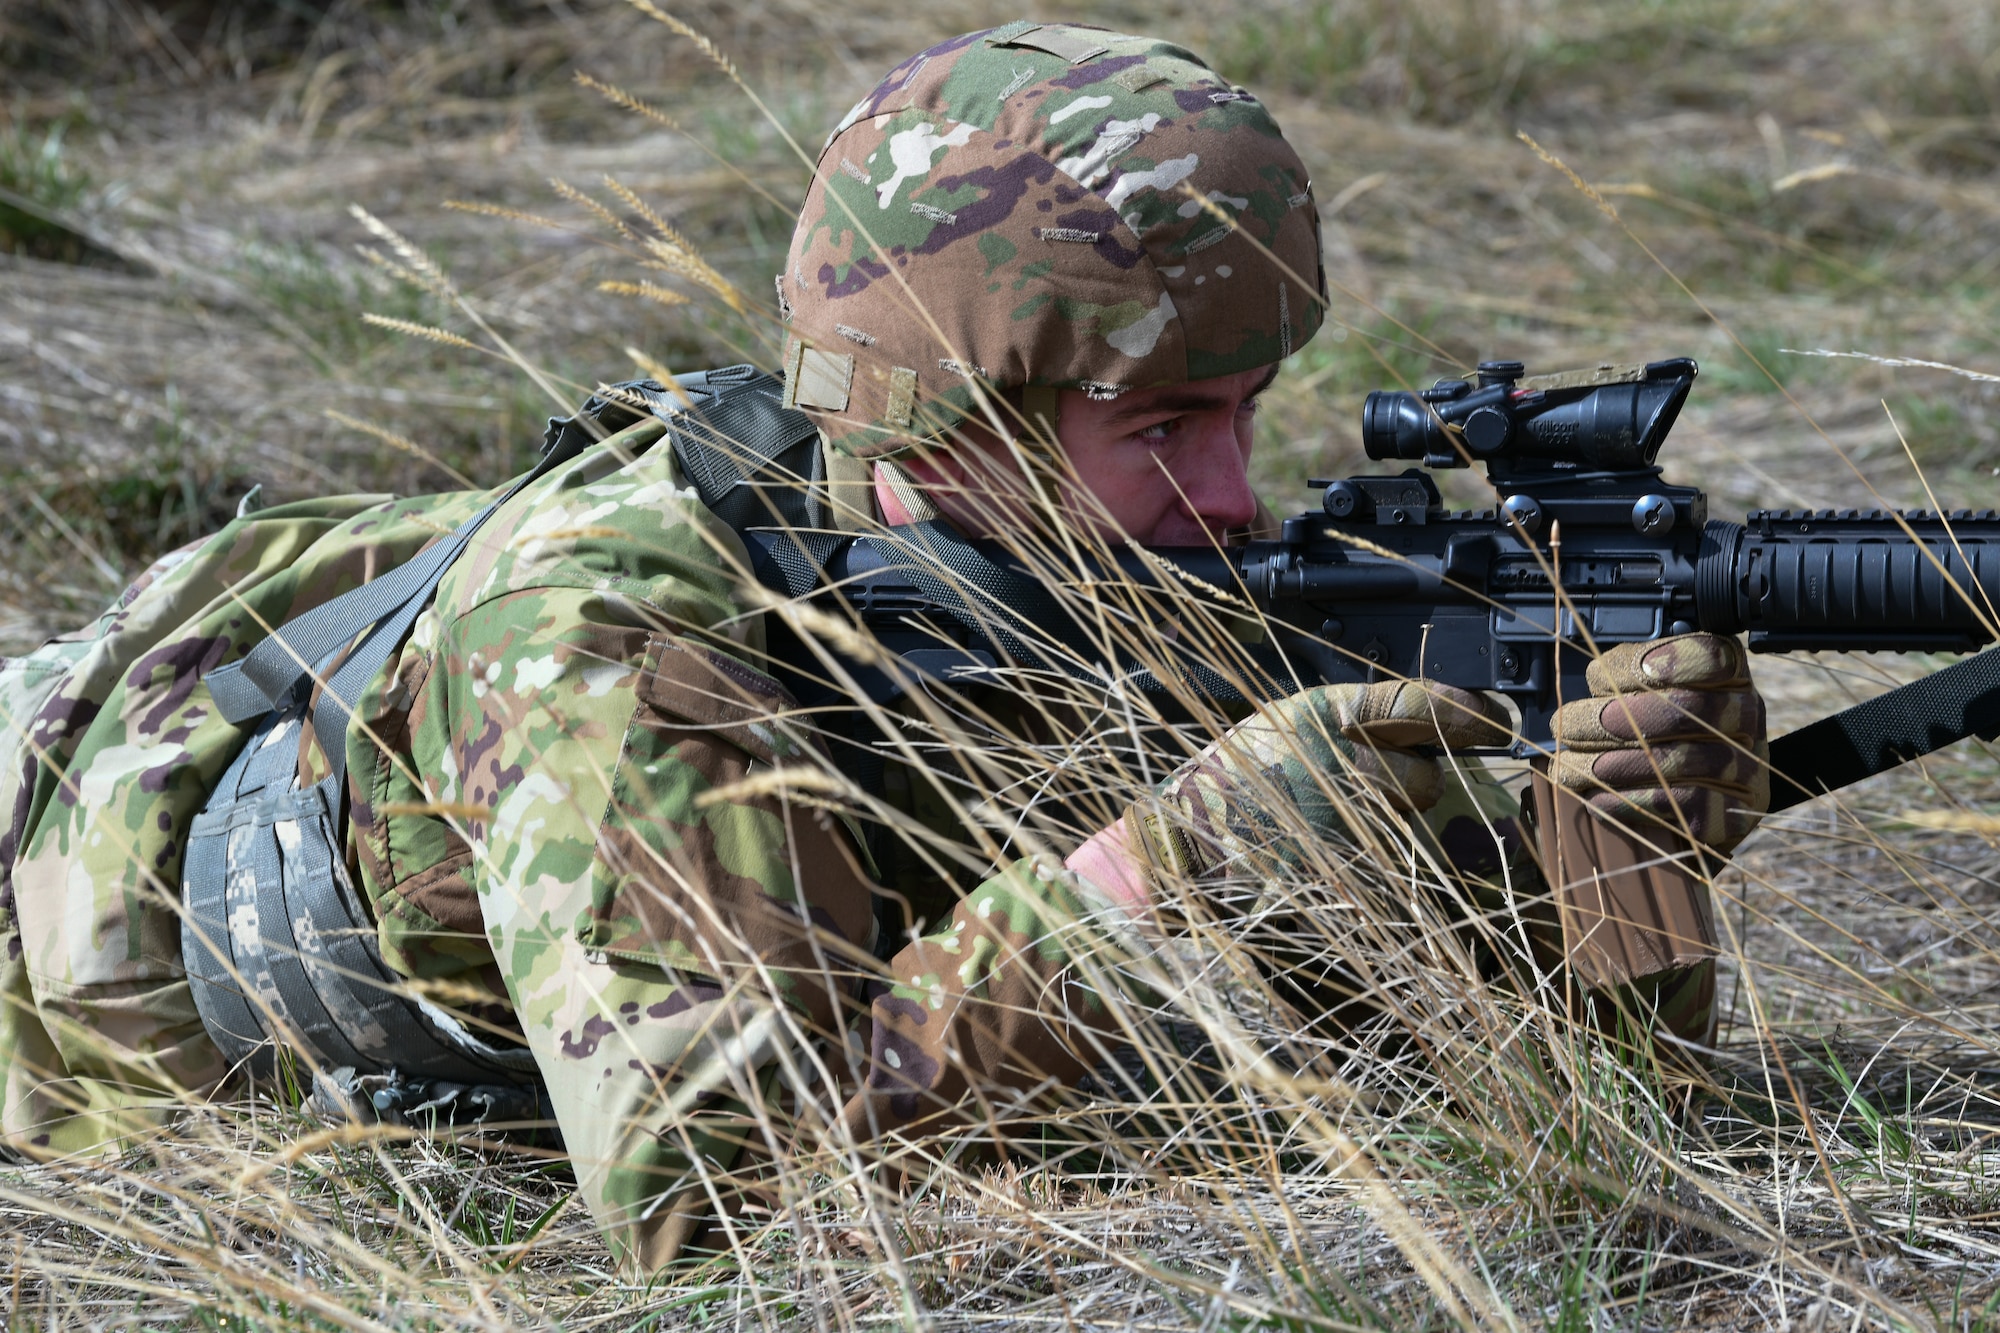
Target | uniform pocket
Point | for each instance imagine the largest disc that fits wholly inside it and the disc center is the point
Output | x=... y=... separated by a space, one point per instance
x=26 y=686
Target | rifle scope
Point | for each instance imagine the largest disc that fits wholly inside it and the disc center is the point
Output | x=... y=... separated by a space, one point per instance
x=1612 y=419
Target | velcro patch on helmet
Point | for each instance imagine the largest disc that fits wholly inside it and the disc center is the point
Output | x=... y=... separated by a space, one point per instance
x=902 y=398
x=1074 y=47
x=1139 y=78
x=817 y=379
x=1007 y=32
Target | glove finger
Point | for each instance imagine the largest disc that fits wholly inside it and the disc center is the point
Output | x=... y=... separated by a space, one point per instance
x=1318 y=783
x=1687 y=661
x=1712 y=763
x=1218 y=814
x=1298 y=763
x=1418 y=712
x=1760 y=780
x=1717 y=819
x=1409 y=783
x=1660 y=716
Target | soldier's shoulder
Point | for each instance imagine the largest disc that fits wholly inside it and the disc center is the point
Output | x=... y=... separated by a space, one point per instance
x=621 y=519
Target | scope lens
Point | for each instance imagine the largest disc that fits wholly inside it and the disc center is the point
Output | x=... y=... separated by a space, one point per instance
x=1395 y=424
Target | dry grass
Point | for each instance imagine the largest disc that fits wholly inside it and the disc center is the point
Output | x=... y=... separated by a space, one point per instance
x=1810 y=176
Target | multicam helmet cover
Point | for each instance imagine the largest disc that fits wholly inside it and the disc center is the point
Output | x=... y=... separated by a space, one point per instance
x=1029 y=206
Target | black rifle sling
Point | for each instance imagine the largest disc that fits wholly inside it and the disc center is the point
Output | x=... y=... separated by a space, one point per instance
x=1905 y=723
x=996 y=600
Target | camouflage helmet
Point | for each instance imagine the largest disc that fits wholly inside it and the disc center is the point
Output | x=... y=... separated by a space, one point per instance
x=1036 y=205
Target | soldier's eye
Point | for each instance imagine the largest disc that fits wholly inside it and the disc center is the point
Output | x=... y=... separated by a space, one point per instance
x=1159 y=430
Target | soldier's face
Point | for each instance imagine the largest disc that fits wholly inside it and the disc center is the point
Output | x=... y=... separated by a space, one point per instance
x=1166 y=466
x=1170 y=464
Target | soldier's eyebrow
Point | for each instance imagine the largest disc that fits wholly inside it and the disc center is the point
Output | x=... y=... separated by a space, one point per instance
x=1182 y=398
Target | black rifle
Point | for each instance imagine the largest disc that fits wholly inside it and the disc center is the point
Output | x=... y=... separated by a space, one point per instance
x=1587 y=546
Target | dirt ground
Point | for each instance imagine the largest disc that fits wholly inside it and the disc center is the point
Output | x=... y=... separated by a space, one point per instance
x=187 y=267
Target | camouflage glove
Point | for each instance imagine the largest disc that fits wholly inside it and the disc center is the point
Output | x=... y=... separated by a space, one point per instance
x=1673 y=735
x=1294 y=771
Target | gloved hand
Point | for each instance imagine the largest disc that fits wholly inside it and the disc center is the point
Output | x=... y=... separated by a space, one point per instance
x=1673 y=737
x=1320 y=753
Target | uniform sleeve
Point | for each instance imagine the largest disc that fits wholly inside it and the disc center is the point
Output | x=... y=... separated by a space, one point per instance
x=1008 y=994
x=668 y=927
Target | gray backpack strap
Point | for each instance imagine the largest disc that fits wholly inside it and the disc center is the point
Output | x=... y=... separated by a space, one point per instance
x=282 y=668
x=277 y=671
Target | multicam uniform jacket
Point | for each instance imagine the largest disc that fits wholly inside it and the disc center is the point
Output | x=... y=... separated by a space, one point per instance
x=528 y=817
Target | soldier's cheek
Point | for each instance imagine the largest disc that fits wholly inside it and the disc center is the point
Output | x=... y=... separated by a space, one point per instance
x=1135 y=487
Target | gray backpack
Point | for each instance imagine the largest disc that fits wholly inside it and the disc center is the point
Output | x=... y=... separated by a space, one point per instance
x=280 y=948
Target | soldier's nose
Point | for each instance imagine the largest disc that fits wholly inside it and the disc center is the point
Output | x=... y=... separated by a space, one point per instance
x=1216 y=481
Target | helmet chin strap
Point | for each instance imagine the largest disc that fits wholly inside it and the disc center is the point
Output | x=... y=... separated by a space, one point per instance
x=1041 y=409
x=894 y=485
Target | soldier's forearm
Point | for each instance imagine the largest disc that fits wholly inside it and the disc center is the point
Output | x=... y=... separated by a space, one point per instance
x=1004 y=995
